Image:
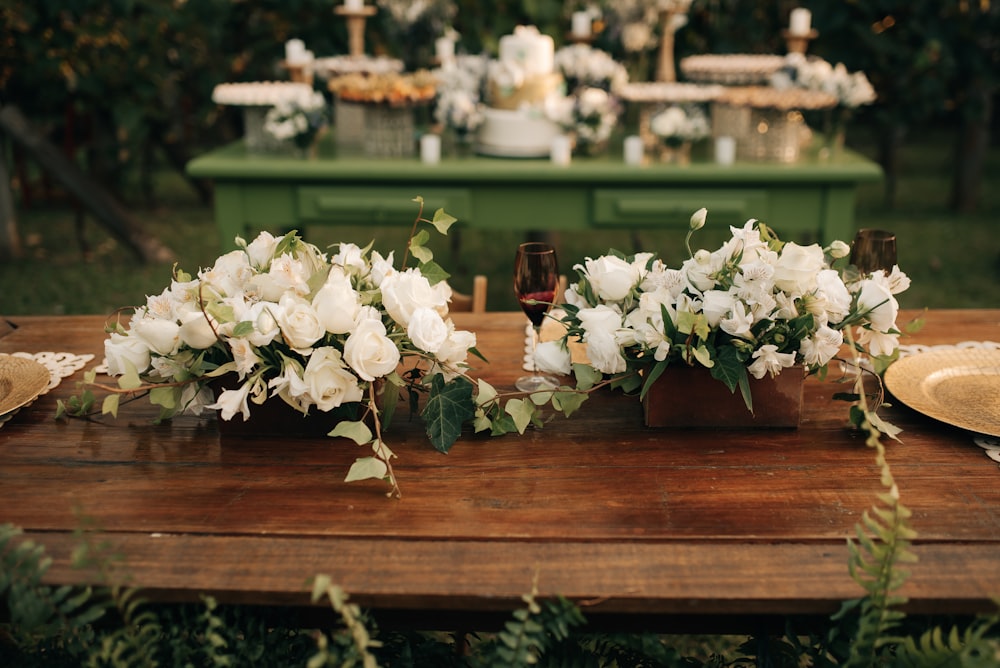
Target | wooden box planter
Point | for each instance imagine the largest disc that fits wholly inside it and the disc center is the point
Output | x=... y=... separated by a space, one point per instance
x=686 y=396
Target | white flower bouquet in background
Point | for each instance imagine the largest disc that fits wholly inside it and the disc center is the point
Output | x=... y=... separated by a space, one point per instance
x=297 y=119
x=751 y=308
x=285 y=321
x=589 y=115
x=852 y=89
x=584 y=66
x=680 y=123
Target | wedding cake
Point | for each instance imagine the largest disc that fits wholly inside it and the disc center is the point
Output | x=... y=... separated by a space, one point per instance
x=520 y=83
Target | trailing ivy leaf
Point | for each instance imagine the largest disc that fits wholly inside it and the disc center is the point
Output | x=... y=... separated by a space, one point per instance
x=728 y=368
x=568 y=402
x=356 y=431
x=482 y=421
x=433 y=272
x=417 y=248
x=540 y=398
x=521 y=411
x=586 y=376
x=503 y=424
x=449 y=405
x=130 y=379
x=442 y=221
x=486 y=394
x=366 y=468
x=165 y=396
x=704 y=356
x=110 y=405
x=890 y=430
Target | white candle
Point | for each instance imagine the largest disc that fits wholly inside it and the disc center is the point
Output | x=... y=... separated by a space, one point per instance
x=294 y=50
x=354 y=5
x=725 y=150
x=633 y=150
x=800 y=21
x=444 y=47
x=561 y=150
x=430 y=149
x=581 y=24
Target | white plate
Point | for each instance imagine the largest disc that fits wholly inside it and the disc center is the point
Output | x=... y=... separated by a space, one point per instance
x=960 y=387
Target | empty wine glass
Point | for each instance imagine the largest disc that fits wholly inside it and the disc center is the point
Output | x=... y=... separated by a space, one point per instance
x=536 y=275
x=873 y=250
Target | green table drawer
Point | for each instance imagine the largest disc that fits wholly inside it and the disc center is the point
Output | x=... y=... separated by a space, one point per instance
x=378 y=205
x=671 y=208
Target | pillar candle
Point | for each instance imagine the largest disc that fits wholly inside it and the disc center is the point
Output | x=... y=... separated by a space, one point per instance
x=561 y=150
x=633 y=150
x=444 y=48
x=581 y=24
x=430 y=149
x=725 y=150
x=354 y=5
x=800 y=21
x=294 y=50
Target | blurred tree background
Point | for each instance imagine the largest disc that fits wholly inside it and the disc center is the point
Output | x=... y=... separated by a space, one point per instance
x=121 y=84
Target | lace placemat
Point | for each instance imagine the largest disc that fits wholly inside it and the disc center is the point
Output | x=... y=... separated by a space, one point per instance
x=59 y=365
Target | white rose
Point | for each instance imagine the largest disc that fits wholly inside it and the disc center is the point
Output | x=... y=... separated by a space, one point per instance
x=328 y=381
x=229 y=273
x=337 y=304
x=455 y=348
x=797 y=268
x=299 y=324
x=876 y=302
x=118 y=348
x=838 y=298
x=349 y=257
x=381 y=267
x=612 y=278
x=427 y=330
x=370 y=352
x=161 y=336
x=196 y=331
x=551 y=357
x=600 y=325
x=261 y=249
x=404 y=292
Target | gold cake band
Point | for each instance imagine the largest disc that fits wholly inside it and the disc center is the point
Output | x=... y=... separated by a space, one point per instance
x=534 y=90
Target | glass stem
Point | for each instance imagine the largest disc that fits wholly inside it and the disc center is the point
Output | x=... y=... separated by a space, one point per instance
x=534 y=347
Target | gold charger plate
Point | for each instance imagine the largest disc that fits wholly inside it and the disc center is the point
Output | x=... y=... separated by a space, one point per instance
x=960 y=387
x=21 y=381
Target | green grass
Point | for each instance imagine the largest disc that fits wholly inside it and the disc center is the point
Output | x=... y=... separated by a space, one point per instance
x=953 y=259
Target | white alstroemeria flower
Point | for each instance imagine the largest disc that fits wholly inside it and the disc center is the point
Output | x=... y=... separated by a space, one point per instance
x=370 y=352
x=289 y=274
x=231 y=402
x=573 y=296
x=699 y=269
x=162 y=305
x=454 y=351
x=767 y=360
x=738 y=322
x=290 y=386
x=329 y=383
x=350 y=257
x=244 y=355
x=427 y=330
x=821 y=347
x=120 y=347
x=785 y=307
x=381 y=267
x=228 y=275
x=299 y=324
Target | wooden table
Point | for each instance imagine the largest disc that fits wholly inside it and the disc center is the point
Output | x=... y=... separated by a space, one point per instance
x=631 y=523
x=811 y=198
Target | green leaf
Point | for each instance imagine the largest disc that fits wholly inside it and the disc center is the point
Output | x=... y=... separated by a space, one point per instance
x=433 y=272
x=486 y=394
x=390 y=397
x=728 y=368
x=568 y=402
x=586 y=376
x=241 y=329
x=442 y=221
x=540 y=398
x=110 y=405
x=651 y=377
x=356 y=431
x=366 y=468
x=449 y=405
x=521 y=410
x=165 y=396
x=130 y=379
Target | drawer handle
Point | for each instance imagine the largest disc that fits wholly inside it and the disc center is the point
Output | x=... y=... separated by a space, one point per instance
x=366 y=205
x=645 y=207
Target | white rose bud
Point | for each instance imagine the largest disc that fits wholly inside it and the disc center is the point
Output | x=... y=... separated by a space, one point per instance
x=838 y=249
x=337 y=304
x=196 y=331
x=370 y=352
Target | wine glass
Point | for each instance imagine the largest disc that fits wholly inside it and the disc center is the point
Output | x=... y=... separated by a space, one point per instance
x=536 y=275
x=873 y=250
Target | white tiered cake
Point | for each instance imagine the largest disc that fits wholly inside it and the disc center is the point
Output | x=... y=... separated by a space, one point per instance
x=520 y=83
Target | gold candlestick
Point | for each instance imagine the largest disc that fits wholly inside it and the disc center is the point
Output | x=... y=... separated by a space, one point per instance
x=356 y=26
x=798 y=42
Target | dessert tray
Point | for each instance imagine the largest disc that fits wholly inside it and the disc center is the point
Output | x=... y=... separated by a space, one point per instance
x=957 y=386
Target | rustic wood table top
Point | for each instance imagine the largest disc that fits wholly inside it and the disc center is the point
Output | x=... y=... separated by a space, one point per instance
x=622 y=519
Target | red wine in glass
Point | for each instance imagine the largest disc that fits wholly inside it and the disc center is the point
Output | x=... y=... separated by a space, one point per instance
x=536 y=276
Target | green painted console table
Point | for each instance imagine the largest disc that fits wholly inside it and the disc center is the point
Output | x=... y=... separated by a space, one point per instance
x=813 y=197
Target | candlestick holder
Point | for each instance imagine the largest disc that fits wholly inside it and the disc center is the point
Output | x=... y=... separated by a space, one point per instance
x=356 y=26
x=799 y=42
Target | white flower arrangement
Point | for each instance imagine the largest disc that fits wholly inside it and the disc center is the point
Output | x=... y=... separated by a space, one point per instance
x=852 y=89
x=679 y=123
x=297 y=119
x=286 y=322
x=590 y=114
x=584 y=66
x=753 y=307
